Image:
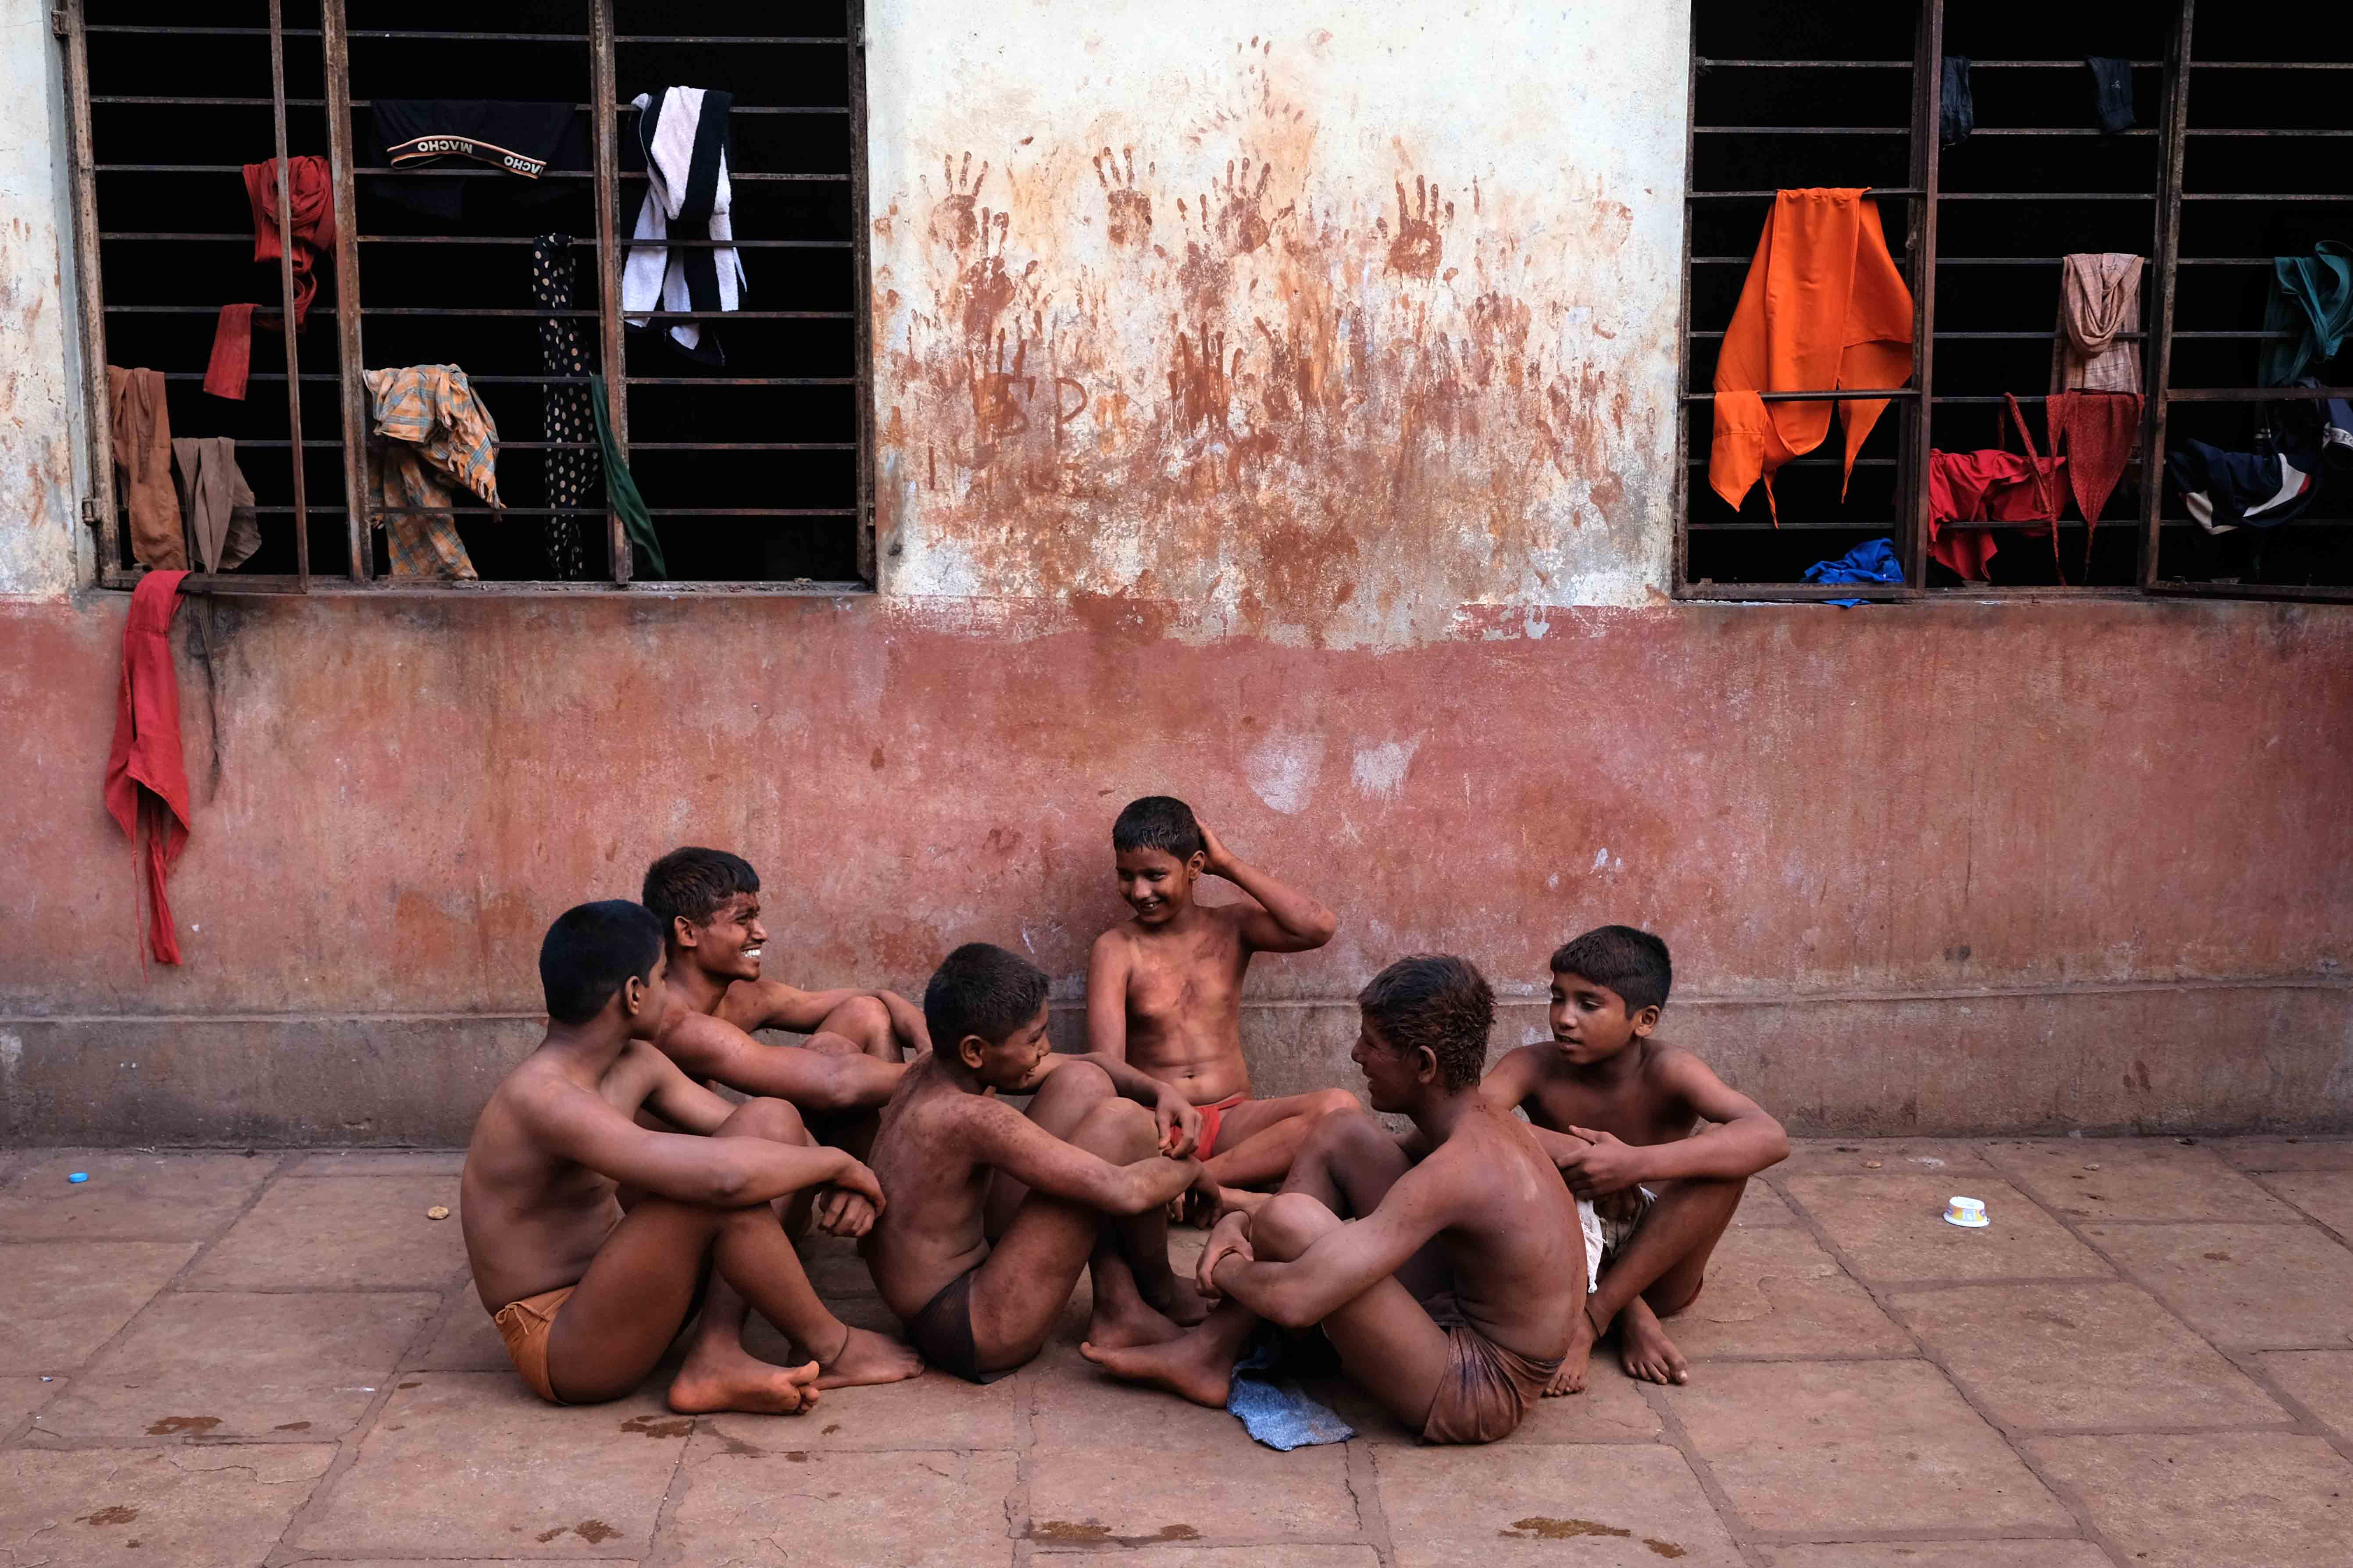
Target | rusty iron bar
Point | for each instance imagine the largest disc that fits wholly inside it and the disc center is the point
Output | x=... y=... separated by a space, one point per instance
x=606 y=137
x=2158 y=369
x=2252 y=393
x=286 y=294
x=862 y=289
x=350 y=356
x=99 y=402
x=1681 y=584
x=1862 y=395
x=1928 y=110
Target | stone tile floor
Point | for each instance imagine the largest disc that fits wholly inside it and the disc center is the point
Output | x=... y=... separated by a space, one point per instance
x=216 y=1361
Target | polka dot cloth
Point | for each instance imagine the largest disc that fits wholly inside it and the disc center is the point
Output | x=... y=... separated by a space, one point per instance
x=573 y=476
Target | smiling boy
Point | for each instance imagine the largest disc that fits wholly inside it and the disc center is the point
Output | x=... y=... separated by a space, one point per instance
x=1101 y=1152
x=709 y=902
x=709 y=905
x=1449 y=1281
x=1616 y=1110
x=1164 y=989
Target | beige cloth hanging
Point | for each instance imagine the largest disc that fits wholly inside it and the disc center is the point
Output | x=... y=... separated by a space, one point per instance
x=217 y=502
x=2099 y=297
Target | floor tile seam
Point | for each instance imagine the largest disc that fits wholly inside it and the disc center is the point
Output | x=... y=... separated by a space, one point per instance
x=1360 y=1458
x=347 y=1455
x=2340 y=1441
x=202 y=1246
x=1750 y=1358
x=2066 y=1498
x=30 y=1422
x=2163 y=1299
x=1018 y=1519
x=1956 y=1282
x=421 y=1288
x=2306 y=1216
x=1927 y=1535
x=420 y=1345
x=659 y=1548
x=1674 y=1435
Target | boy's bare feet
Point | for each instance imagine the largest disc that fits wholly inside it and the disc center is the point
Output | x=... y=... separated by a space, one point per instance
x=1180 y=1302
x=1122 y=1317
x=867 y=1357
x=1643 y=1348
x=1191 y=1367
x=1242 y=1200
x=722 y=1375
x=1571 y=1378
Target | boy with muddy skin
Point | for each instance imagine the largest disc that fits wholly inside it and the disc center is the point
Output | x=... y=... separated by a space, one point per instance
x=1447 y=1268
x=1619 y=1113
x=708 y=902
x=993 y=1212
x=1164 y=993
x=588 y=1298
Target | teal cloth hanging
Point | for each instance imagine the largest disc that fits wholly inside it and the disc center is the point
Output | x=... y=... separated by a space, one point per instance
x=2312 y=301
x=620 y=490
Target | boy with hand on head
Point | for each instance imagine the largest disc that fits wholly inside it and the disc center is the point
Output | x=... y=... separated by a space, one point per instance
x=1091 y=1167
x=709 y=905
x=1450 y=1283
x=588 y=1298
x=1165 y=991
x=1616 y=1110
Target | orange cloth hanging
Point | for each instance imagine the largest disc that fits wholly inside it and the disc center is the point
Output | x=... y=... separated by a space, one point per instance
x=1824 y=308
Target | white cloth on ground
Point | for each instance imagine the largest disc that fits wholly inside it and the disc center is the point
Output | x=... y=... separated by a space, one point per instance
x=1605 y=1238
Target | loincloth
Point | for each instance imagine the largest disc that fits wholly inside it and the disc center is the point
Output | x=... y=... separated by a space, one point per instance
x=1609 y=1223
x=942 y=1333
x=1213 y=1117
x=1488 y=1389
x=524 y=1327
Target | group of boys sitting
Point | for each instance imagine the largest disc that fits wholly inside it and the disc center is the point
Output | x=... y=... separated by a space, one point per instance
x=1461 y=1270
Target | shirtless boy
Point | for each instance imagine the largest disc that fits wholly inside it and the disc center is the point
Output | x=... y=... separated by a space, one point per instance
x=587 y=1298
x=1450 y=1283
x=1165 y=991
x=708 y=901
x=1098 y=1166
x=1616 y=1110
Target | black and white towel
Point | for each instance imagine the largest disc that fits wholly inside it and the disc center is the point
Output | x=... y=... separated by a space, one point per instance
x=683 y=131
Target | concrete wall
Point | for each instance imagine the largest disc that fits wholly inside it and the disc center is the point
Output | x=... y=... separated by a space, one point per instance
x=1341 y=514
x=43 y=460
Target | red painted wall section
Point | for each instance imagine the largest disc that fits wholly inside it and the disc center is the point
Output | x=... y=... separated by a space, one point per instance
x=1868 y=806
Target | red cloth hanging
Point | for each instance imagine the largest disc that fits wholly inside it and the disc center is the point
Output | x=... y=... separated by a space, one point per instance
x=146 y=774
x=311 y=196
x=2098 y=429
x=1994 y=485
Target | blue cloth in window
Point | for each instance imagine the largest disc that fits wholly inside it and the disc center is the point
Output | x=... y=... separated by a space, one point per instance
x=1873 y=561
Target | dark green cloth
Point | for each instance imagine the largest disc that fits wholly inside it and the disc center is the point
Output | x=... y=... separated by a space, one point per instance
x=2312 y=301
x=620 y=490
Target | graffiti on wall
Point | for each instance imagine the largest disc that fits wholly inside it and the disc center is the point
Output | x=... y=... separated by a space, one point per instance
x=1196 y=363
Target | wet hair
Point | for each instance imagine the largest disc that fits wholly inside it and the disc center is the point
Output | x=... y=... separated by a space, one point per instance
x=1159 y=822
x=590 y=952
x=981 y=989
x=693 y=882
x=1434 y=1000
x=1631 y=963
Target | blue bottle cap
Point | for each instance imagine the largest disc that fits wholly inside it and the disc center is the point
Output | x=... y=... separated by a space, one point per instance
x=78 y=1176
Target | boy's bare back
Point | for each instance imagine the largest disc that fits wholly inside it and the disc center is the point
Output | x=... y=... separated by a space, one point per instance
x=534 y=1218
x=1510 y=1238
x=927 y=1158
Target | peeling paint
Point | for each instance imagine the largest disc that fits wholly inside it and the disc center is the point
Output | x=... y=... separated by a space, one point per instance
x=1230 y=327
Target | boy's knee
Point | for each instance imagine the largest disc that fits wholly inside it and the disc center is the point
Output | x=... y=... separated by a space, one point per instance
x=1287 y=1224
x=1118 y=1130
x=1338 y=1130
x=1333 y=1103
x=775 y=1119
x=1076 y=1084
x=861 y=1018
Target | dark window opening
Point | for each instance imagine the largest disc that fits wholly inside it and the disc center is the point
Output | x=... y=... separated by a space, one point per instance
x=1788 y=96
x=754 y=469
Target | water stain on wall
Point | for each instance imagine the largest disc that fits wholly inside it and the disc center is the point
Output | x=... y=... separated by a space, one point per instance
x=1207 y=358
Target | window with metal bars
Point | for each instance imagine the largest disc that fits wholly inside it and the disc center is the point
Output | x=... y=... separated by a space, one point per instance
x=2232 y=161
x=751 y=456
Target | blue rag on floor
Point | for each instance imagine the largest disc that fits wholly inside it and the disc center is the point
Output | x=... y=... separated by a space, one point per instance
x=1873 y=561
x=1274 y=1409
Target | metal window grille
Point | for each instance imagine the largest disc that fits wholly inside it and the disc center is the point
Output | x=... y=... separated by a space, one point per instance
x=2233 y=162
x=757 y=474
